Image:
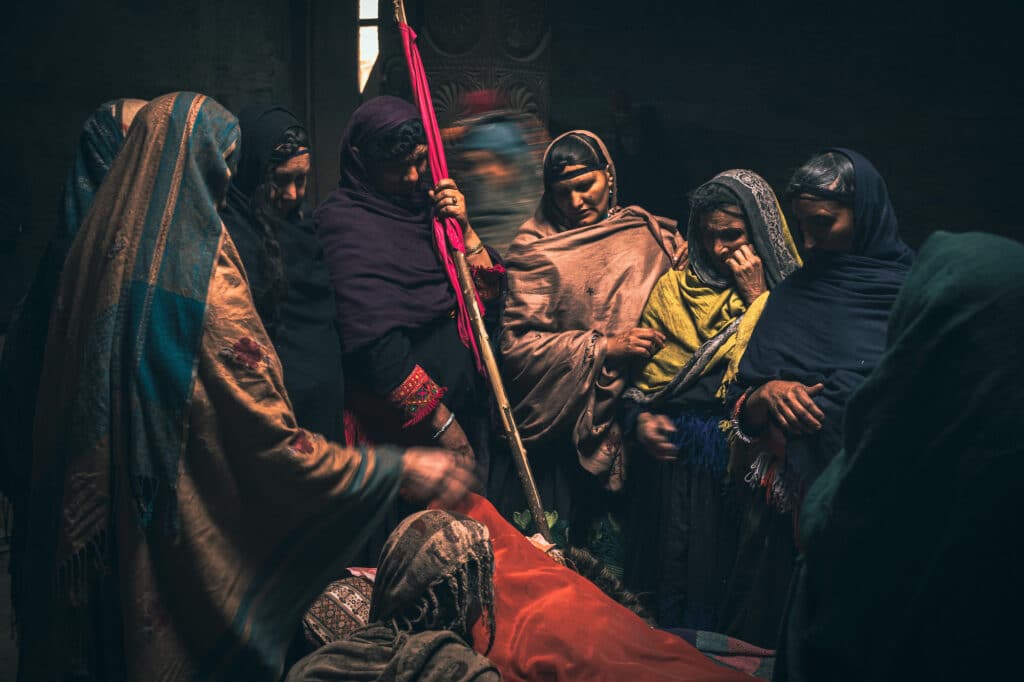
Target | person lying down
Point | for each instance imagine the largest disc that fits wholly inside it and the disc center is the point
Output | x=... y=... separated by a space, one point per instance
x=462 y=595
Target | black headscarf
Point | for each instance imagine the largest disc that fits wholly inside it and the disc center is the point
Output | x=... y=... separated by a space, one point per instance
x=384 y=264
x=302 y=323
x=826 y=324
x=910 y=549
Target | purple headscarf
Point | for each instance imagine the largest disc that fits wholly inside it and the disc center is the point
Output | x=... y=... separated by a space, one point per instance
x=380 y=249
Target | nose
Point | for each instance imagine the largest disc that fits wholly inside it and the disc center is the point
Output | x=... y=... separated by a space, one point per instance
x=578 y=203
x=289 y=192
x=722 y=249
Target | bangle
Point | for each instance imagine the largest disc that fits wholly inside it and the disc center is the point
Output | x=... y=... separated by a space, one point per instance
x=735 y=421
x=475 y=250
x=444 y=427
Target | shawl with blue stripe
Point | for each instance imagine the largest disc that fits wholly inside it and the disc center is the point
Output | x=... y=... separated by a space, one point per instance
x=174 y=496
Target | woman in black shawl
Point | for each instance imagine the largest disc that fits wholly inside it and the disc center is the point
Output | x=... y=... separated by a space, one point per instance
x=284 y=262
x=434 y=580
x=823 y=329
x=412 y=376
x=821 y=332
x=909 y=565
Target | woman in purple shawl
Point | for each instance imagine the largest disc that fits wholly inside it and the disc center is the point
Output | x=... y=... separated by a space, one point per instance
x=409 y=376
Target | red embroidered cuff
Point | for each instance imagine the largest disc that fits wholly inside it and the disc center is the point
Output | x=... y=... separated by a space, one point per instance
x=417 y=396
x=490 y=282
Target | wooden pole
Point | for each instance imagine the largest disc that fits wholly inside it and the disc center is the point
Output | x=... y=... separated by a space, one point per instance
x=508 y=423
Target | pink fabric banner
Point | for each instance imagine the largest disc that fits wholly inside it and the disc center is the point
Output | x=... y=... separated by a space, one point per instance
x=447 y=233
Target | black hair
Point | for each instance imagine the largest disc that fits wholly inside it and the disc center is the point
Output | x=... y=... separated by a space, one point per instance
x=572 y=150
x=712 y=196
x=828 y=175
x=269 y=298
x=394 y=144
x=588 y=566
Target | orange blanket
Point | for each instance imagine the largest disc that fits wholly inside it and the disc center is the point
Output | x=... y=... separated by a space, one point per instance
x=553 y=624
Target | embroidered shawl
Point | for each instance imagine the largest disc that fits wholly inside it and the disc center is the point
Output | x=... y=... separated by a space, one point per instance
x=569 y=290
x=181 y=520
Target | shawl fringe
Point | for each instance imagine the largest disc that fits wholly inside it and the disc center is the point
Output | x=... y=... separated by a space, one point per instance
x=701 y=442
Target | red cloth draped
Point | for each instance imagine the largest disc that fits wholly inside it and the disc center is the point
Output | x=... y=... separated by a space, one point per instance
x=447 y=233
x=553 y=624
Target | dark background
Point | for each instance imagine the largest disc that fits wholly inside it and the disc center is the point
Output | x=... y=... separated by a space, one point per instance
x=680 y=91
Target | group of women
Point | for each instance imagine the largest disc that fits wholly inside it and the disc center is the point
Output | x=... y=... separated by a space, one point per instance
x=216 y=399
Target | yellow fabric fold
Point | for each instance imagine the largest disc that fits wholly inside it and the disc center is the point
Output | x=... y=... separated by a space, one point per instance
x=689 y=313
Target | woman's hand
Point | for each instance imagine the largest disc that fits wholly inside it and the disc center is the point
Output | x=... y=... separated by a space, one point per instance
x=449 y=202
x=640 y=342
x=654 y=431
x=453 y=438
x=748 y=273
x=789 y=403
x=429 y=475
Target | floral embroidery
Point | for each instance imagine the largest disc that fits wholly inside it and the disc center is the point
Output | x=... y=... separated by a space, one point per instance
x=490 y=282
x=300 y=443
x=417 y=396
x=245 y=353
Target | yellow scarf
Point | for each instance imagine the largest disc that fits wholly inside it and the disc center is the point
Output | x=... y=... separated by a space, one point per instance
x=689 y=313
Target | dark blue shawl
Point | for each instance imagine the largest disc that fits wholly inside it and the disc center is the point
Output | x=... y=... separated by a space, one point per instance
x=826 y=323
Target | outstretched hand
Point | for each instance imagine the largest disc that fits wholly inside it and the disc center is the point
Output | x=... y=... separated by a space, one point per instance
x=432 y=475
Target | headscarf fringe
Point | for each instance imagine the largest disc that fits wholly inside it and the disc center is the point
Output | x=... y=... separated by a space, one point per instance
x=75 y=575
x=780 y=483
x=156 y=498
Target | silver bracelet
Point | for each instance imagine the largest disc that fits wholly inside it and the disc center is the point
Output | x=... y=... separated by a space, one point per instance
x=444 y=427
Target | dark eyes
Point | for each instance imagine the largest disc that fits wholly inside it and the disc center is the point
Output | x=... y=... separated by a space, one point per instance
x=731 y=235
x=285 y=180
x=819 y=222
x=578 y=187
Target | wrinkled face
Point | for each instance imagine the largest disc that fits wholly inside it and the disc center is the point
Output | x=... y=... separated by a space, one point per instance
x=583 y=200
x=288 y=184
x=722 y=231
x=402 y=176
x=824 y=223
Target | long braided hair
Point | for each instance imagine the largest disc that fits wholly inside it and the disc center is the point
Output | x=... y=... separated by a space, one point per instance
x=270 y=297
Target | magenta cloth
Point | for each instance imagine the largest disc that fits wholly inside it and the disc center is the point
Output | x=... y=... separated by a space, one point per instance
x=446 y=233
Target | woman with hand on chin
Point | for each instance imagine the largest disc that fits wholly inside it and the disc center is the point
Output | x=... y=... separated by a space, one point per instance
x=686 y=528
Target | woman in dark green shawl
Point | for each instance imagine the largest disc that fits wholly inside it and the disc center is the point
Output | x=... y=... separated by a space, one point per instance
x=910 y=551
x=434 y=579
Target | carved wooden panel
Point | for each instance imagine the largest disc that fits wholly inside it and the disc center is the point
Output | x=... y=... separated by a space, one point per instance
x=469 y=45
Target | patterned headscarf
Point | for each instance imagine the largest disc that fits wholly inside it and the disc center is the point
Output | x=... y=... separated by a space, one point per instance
x=429 y=550
x=767 y=229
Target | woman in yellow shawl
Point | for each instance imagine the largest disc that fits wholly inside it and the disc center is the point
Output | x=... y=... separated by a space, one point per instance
x=740 y=247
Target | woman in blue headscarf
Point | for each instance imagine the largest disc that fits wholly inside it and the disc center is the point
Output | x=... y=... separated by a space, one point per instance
x=910 y=560
x=823 y=329
x=821 y=333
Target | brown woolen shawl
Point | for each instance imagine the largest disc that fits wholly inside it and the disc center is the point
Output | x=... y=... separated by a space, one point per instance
x=569 y=290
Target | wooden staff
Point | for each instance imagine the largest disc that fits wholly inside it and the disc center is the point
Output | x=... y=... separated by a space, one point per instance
x=508 y=422
x=469 y=295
